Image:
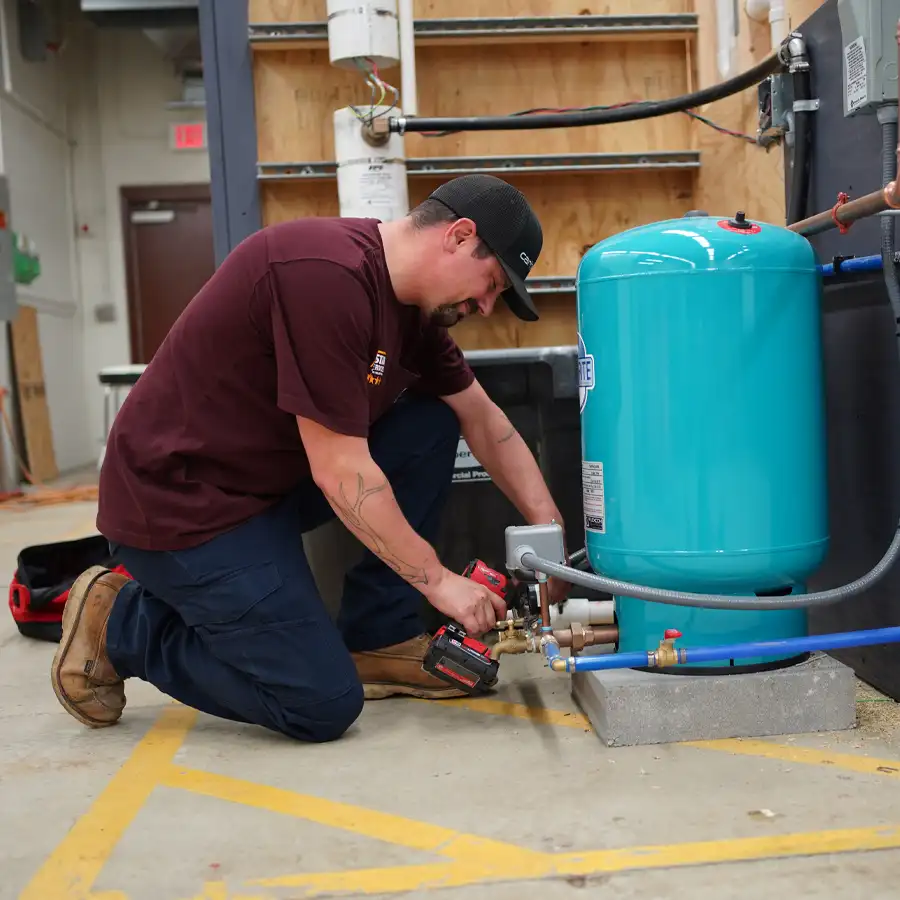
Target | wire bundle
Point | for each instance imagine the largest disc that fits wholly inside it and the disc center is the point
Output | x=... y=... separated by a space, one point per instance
x=380 y=89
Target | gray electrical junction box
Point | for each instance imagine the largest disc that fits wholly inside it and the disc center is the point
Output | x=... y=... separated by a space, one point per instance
x=869 y=44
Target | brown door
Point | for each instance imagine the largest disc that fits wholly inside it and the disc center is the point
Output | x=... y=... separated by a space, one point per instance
x=169 y=257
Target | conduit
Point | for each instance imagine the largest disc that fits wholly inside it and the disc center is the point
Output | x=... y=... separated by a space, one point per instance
x=802 y=128
x=714 y=601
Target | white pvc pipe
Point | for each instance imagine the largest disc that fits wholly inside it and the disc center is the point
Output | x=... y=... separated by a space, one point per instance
x=408 y=88
x=778 y=22
x=583 y=611
x=725 y=37
x=775 y=12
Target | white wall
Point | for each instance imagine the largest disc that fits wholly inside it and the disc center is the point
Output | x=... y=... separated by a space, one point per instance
x=123 y=134
x=35 y=157
x=73 y=131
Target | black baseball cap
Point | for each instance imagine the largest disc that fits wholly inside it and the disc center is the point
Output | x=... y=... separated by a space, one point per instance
x=507 y=225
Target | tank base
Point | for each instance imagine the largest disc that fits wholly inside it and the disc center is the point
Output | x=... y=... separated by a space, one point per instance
x=630 y=708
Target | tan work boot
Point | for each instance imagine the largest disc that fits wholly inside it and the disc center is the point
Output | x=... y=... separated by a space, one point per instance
x=398 y=670
x=85 y=682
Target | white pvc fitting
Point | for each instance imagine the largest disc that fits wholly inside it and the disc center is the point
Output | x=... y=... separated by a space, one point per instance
x=758 y=10
x=360 y=29
x=371 y=180
x=583 y=611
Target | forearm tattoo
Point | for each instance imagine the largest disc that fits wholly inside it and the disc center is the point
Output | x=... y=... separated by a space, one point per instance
x=350 y=509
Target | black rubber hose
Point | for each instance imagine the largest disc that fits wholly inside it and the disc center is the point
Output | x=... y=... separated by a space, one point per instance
x=802 y=151
x=643 y=110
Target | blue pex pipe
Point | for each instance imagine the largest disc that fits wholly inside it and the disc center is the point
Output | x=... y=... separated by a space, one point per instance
x=786 y=647
x=854 y=264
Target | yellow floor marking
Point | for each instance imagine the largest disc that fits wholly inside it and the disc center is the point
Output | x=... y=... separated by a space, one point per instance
x=70 y=871
x=400 y=879
x=852 y=762
x=393 y=829
x=218 y=890
x=867 y=765
x=538 y=715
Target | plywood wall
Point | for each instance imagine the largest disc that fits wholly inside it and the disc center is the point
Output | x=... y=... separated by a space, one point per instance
x=31 y=395
x=736 y=174
x=297 y=91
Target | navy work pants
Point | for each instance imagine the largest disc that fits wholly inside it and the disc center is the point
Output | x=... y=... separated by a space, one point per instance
x=236 y=627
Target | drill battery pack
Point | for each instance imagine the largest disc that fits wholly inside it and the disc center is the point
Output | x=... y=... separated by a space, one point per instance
x=461 y=660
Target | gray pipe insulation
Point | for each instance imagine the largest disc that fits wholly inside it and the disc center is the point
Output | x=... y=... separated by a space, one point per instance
x=887 y=116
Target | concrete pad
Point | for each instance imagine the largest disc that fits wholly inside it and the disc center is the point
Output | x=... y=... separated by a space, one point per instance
x=627 y=707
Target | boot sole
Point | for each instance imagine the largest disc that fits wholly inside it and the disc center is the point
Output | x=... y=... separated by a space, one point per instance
x=69 y=705
x=380 y=691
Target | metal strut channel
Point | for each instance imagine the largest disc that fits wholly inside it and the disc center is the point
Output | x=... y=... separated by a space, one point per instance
x=458 y=165
x=509 y=26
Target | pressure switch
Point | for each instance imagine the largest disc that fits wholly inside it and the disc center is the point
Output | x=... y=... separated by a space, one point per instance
x=869 y=42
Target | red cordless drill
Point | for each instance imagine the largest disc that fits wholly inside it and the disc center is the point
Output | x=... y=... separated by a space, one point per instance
x=459 y=659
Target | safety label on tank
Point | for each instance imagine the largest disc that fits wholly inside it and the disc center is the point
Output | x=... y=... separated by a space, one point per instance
x=592 y=496
x=585 y=373
x=856 y=74
x=467 y=467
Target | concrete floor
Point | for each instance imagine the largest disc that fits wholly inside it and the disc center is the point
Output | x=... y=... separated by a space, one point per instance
x=506 y=797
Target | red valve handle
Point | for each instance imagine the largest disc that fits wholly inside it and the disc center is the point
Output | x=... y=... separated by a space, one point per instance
x=672 y=633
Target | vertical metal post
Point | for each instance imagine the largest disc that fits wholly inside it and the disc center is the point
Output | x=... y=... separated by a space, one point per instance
x=231 y=122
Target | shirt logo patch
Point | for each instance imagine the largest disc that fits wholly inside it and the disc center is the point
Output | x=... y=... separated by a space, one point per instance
x=376 y=370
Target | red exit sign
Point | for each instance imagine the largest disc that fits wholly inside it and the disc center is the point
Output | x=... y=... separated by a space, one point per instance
x=188 y=136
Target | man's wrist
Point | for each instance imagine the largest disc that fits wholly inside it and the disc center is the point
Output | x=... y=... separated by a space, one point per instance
x=436 y=577
x=546 y=515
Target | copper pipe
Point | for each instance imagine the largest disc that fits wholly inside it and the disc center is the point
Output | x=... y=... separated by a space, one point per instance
x=544 y=592
x=868 y=205
x=580 y=636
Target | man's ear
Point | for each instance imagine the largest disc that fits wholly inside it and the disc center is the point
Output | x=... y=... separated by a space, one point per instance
x=461 y=231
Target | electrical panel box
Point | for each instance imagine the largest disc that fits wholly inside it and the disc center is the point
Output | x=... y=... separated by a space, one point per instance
x=869 y=43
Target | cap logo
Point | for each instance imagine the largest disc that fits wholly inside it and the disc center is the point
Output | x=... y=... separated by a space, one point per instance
x=526 y=259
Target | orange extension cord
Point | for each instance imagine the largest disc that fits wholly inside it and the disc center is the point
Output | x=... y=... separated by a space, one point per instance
x=40 y=494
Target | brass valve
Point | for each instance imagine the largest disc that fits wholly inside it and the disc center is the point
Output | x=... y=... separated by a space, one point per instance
x=667 y=654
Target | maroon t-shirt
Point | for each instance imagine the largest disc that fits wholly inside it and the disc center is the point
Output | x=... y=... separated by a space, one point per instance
x=300 y=319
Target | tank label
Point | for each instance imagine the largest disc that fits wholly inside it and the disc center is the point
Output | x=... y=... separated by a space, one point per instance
x=585 y=373
x=592 y=497
x=856 y=74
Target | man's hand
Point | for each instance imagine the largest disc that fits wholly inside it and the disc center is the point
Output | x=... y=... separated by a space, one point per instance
x=470 y=604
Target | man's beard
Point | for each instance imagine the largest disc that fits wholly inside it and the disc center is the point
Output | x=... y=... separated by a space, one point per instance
x=449 y=314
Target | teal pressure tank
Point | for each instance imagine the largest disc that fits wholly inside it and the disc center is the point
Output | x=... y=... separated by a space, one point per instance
x=703 y=425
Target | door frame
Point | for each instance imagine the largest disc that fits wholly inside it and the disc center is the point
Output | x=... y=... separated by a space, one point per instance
x=165 y=193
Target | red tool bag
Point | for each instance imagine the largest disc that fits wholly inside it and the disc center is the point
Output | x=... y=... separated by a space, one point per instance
x=44 y=575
